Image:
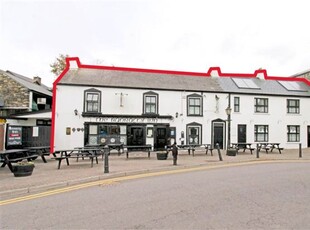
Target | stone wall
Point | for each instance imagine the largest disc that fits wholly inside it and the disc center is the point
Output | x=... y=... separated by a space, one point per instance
x=13 y=93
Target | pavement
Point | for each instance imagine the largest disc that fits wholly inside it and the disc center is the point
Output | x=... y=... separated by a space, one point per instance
x=46 y=176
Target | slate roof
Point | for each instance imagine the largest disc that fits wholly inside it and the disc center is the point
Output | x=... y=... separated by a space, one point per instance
x=143 y=80
x=28 y=83
x=267 y=87
x=166 y=81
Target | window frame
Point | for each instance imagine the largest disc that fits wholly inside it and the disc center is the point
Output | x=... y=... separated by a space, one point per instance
x=296 y=107
x=265 y=133
x=293 y=134
x=194 y=125
x=237 y=104
x=264 y=106
x=146 y=104
x=86 y=101
x=200 y=106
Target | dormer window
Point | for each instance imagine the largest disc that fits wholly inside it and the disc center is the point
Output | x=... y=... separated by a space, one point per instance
x=92 y=101
x=150 y=103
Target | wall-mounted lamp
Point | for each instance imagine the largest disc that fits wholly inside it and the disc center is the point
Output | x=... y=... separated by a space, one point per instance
x=217 y=97
x=75 y=112
x=176 y=115
x=228 y=111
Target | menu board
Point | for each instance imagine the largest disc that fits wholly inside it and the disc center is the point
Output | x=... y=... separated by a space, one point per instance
x=14 y=135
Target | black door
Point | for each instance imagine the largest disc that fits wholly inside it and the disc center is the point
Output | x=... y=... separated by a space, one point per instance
x=308 y=136
x=241 y=134
x=218 y=134
x=135 y=135
x=161 y=138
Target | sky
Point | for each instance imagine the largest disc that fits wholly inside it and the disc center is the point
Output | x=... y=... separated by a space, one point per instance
x=238 y=36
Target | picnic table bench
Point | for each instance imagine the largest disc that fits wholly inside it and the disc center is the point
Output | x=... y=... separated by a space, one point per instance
x=15 y=155
x=193 y=148
x=244 y=146
x=137 y=148
x=269 y=146
x=41 y=151
x=118 y=147
x=91 y=153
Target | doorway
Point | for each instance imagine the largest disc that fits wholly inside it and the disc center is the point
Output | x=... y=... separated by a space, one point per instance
x=242 y=134
x=161 y=137
x=218 y=134
x=308 y=136
x=136 y=135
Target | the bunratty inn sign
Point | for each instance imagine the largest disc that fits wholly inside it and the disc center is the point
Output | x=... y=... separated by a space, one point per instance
x=140 y=120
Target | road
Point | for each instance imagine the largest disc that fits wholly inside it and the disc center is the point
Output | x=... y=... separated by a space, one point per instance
x=259 y=196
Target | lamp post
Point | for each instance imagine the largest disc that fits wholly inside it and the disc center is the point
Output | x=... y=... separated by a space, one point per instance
x=228 y=112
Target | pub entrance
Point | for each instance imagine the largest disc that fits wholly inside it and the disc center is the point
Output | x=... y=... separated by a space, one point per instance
x=241 y=134
x=161 y=137
x=218 y=133
x=136 y=135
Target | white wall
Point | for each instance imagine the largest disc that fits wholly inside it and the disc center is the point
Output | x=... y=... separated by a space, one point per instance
x=70 y=98
x=277 y=119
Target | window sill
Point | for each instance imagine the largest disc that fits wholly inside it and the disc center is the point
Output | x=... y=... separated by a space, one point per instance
x=194 y=115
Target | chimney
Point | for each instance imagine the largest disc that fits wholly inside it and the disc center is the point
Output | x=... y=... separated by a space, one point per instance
x=37 y=80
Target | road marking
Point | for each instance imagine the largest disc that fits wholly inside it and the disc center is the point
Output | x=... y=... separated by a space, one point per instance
x=116 y=180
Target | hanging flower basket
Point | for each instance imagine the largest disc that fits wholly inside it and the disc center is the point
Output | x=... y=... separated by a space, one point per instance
x=23 y=169
x=162 y=155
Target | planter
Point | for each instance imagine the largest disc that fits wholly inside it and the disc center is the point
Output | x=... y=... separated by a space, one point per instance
x=162 y=156
x=231 y=152
x=20 y=170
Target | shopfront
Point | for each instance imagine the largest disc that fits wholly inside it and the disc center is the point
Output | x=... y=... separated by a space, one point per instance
x=128 y=131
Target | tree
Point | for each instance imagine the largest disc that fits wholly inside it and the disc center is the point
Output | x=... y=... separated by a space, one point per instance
x=59 y=65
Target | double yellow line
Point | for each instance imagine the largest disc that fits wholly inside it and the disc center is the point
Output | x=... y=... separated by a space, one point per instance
x=131 y=177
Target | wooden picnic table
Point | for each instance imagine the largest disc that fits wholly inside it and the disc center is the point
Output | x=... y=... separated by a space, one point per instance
x=118 y=147
x=270 y=146
x=15 y=155
x=41 y=151
x=77 y=153
x=244 y=146
x=137 y=148
x=192 y=147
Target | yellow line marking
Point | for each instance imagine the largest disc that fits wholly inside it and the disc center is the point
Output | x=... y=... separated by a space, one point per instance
x=138 y=176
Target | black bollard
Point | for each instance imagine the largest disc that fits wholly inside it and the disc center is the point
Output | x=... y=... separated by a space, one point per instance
x=300 y=151
x=219 y=152
x=106 y=159
x=257 y=151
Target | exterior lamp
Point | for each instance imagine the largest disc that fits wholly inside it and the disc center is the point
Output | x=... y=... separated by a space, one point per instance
x=75 y=112
x=228 y=111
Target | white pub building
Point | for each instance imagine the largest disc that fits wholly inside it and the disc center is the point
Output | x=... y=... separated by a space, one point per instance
x=101 y=105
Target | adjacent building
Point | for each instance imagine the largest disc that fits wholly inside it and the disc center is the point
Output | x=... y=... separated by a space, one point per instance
x=101 y=105
x=25 y=111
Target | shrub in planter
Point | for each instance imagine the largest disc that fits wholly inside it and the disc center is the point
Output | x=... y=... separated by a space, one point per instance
x=23 y=168
x=162 y=155
x=231 y=152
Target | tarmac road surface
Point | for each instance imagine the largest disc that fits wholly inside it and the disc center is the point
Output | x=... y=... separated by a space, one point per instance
x=254 y=196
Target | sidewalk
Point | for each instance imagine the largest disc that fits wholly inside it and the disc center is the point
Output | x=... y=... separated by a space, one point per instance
x=46 y=175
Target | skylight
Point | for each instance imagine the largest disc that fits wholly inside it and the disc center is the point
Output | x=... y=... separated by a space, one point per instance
x=292 y=86
x=245 y=83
